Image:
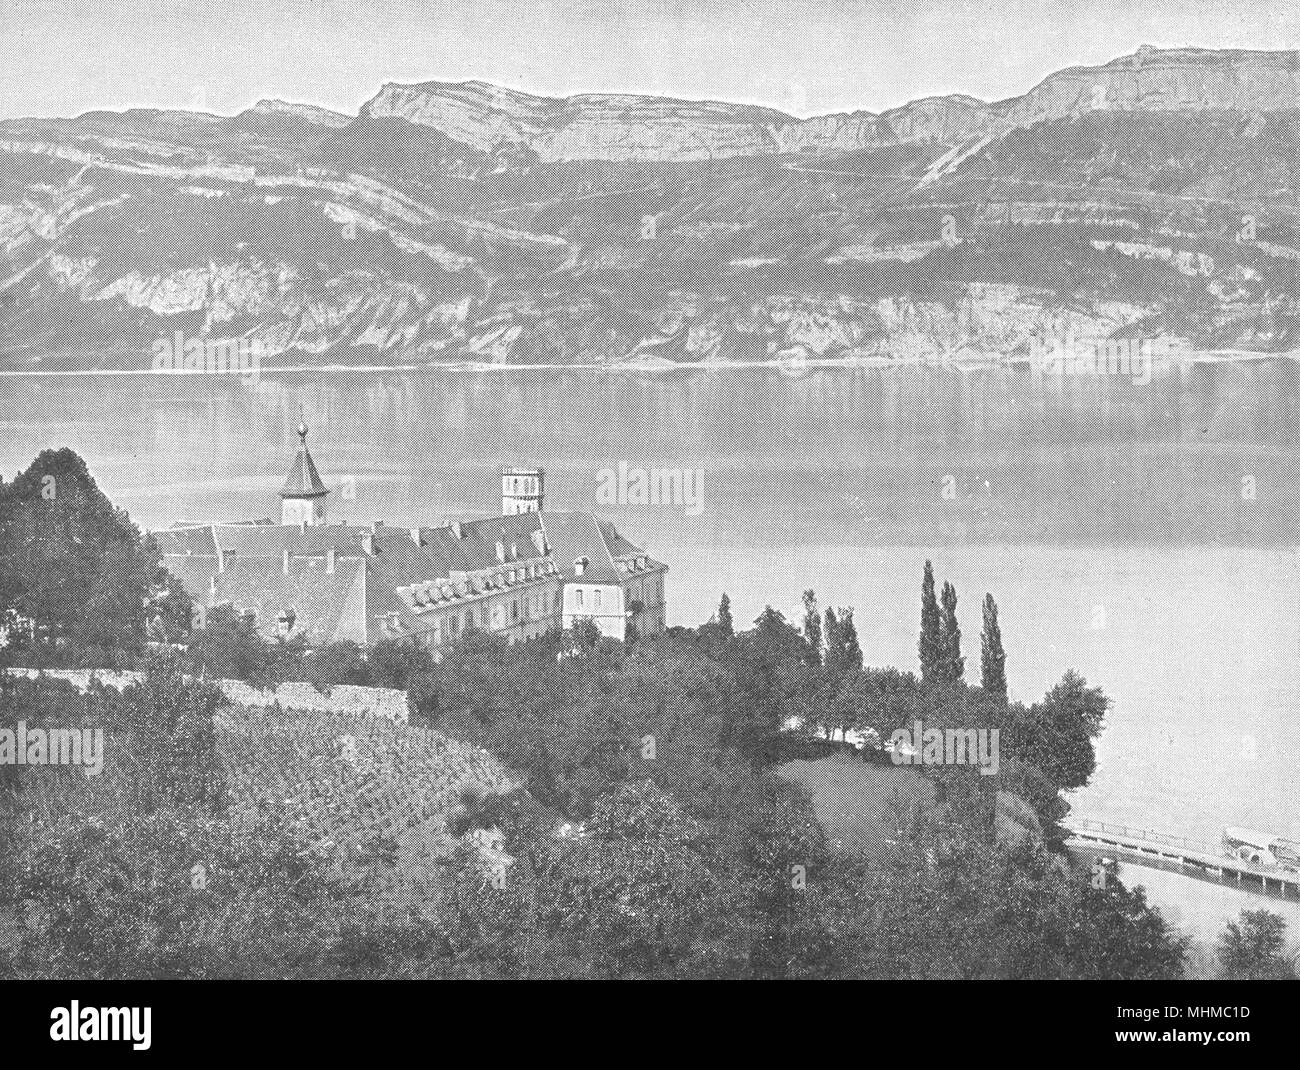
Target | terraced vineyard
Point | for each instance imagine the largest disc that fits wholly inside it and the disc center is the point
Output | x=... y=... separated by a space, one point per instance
x=358 y=786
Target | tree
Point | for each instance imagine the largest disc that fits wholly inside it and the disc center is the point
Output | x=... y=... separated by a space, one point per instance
x=229 y=647
x=341 y=662
x=951 y=906
x=1056 y=734
x=393 y=662
x=725 y=626
x=768 y=684
x=851 y=650
x=843 y=653
x=1252 y=950
x=171 y=743
x=643 y=893
x=812 y=627
x=930 y=645
x=170 y=612
x=831 y=641
x=173 y=894
x=76 y=575
x=952 y=665
x=993 y=660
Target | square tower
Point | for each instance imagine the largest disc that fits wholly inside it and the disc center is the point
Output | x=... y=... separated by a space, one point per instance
x=522 y=489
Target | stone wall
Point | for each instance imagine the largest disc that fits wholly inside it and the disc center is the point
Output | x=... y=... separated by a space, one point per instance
x=343 y=699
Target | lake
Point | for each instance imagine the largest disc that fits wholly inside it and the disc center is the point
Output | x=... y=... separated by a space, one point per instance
x=1141 y=534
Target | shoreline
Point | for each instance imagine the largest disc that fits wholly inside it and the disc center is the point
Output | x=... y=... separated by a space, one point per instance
x=784 y=367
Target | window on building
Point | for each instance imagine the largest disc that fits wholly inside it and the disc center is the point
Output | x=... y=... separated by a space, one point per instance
x=578 y=598
x=514 y=609
x=596 y=596
x=455 y=624
x=487 y=620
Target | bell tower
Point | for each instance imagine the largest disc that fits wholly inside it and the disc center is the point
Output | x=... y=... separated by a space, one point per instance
x=302 y=501
x=522 y=489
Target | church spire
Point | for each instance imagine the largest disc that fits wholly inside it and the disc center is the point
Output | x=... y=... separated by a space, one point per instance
x=302 y=501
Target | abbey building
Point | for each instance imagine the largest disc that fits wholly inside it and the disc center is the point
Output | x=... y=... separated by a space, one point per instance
x=516 y=575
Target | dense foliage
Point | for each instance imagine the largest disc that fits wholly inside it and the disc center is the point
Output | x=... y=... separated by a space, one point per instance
x=566 y=807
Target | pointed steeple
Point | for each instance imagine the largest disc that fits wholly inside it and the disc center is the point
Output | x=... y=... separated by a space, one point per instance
x=303 y=496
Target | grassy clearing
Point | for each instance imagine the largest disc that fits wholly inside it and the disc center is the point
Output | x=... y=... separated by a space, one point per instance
x=861 y=806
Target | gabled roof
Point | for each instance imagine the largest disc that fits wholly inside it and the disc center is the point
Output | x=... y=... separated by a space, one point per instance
x=326 y=607
x=362 y=593
x=576 y=535
x=199 y=541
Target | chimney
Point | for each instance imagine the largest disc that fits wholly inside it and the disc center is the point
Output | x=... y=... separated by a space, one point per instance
x=501 y=551
x=539 y=541
x=375 y=525
x=457 y=530
x=329 y=561
x=415 y=534
x=221 y=560
x=212 y=587
x=284 y=561
x=580 y=566
x=368 y=543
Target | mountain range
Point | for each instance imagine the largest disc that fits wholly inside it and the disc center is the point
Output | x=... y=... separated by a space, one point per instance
x=1152 y=196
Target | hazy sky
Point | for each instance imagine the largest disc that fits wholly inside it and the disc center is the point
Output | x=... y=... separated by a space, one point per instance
x=64 y=57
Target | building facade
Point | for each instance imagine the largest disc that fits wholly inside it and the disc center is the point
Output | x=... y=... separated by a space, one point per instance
x=516 y=575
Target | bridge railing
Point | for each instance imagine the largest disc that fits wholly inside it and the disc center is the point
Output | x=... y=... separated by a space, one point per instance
x=1145 y=835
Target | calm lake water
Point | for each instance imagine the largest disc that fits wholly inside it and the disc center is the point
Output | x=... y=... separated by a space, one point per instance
x=1143 y=535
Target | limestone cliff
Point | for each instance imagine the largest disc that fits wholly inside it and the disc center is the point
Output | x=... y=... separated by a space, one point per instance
x=624 y=127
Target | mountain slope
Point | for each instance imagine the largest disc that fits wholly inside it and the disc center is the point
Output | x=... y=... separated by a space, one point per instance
x=1154 y=195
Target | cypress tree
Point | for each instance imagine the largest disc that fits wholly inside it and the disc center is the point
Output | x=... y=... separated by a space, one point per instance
x=952 y=664
x=930 y=643
x=831 y=639
x=842 y=650
x=993 y=660
x=851 y=651
x=812 y=627
x=725 y=625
